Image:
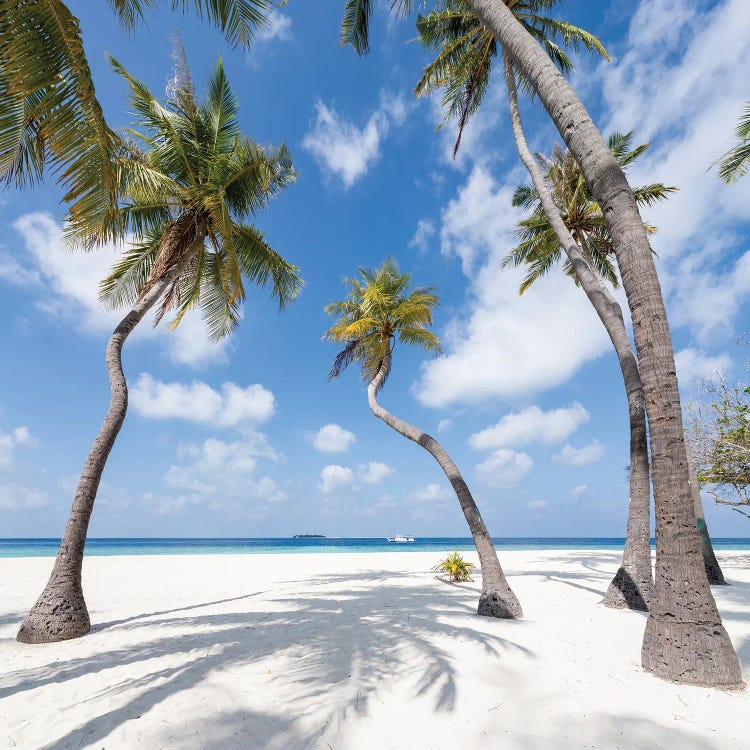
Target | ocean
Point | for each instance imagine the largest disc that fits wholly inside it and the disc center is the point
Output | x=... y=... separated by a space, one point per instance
x=174 y=546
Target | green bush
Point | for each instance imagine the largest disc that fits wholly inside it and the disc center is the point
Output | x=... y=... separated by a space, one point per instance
x=454 y=569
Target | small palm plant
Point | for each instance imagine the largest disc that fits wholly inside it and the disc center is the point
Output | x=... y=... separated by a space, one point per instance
x=185 y=200
x=378 y=312
x=454 y=569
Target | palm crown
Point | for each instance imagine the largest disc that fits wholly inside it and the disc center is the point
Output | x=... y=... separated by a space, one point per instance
x=466 y=50
x=49 y=113
x=378 y=310
x=198 y=179
x=539 y=247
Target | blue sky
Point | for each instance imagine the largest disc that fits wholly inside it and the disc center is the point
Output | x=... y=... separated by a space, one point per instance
x=248 y=438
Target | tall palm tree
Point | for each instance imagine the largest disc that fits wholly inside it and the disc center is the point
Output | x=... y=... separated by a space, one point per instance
x=684 y=640
x=540 y=249
x=380 y=310
x=736 y=161
x=465 y=51
x=50 y=117
x=184 y=200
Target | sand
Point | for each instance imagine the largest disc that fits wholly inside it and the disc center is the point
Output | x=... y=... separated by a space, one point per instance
x=353 y=652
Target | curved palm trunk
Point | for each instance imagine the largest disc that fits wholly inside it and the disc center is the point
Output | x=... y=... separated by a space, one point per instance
x=497 y=599
x=684 y=640
x=632 y=585
x=60 y=612
x=713 y=569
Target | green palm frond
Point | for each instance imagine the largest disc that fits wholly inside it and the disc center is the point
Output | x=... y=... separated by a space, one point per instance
x=355 y=22
x=465 y=50
x=538 y=247
x=236 y=19
x=196 y=179
x=736 y=161
x=380 y=309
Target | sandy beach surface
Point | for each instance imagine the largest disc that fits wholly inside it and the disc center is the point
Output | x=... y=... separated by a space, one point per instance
x=353 y=651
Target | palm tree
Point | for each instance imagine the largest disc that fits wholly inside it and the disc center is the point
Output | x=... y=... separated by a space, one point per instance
x=684 y=640
x=466 y=50
x=540 y=249
x=379 y=311
x=184 y=200
x=50 y=117
x=736 y=161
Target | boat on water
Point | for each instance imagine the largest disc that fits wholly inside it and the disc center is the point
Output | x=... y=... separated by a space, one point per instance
x=401 y=538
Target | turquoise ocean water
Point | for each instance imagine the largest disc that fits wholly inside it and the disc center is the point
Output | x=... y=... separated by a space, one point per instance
x=173 y=546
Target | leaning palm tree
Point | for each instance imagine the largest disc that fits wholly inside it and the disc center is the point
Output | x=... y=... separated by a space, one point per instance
x=184 y=200
x=735 y=163
x=541 y=247
x=50 y=117
x=379 y=311
x=684 y=639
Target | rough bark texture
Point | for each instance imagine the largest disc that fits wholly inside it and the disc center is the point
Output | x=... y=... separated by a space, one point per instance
x=685 y=640
x=497 y=599
x=632 y=585
x=714 y=572
x=60 y=613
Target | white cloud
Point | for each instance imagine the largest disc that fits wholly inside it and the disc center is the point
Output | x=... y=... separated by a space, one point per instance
x=16 y=497
x=69 y=291
x=335 y=478
x=444 y=425
x=278 y=27
x=422 y=236
x=579 y=490
x=431 y=493
x=695 y=365
x=342 y=148
x=505 y=468
x=232 y=406
x=374 y=472
x=530 y=426
x=504 y=344
x=537 y=505
x=9 y=441
x=219 y=473
x=333 y=438
x=588 y=454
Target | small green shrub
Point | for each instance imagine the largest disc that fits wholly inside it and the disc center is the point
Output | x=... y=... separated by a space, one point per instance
x=454 y=569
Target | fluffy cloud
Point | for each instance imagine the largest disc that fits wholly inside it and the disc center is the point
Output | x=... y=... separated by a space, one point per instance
x=579 y=490
x=278 y=27
x=530 y=426
x=422 y=236
x=444 y=425
x=431 y=493
x=335 y=478
x=219 y=473
x=68 y=284
x=504 y=344
x=9 y=441
x=16 y=497
x=342 y=148
x=537 y=505
x=333 y=438
x=199 y=402
x=695 y=365
x=505 y=468
x=374 y=472
x=588 y=454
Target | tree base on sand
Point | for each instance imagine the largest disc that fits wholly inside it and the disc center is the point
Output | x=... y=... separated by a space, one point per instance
x=693 y=655
x=59 y=614
x=625 y=593
x=501 y=604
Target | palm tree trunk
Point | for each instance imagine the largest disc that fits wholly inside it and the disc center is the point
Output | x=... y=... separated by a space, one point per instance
x=632 y=585
x=713 y=569
x=60 y=612
x=497 y=599
x=684 y=639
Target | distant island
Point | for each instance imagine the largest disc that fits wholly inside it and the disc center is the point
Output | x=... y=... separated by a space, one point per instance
x=309 y=536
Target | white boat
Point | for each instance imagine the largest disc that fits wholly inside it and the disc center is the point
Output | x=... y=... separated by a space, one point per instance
x=401 y=538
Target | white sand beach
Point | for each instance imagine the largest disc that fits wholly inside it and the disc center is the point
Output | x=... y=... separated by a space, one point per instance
x=353 y=652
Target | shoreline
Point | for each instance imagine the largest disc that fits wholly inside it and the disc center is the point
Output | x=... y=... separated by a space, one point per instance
x=355 y=652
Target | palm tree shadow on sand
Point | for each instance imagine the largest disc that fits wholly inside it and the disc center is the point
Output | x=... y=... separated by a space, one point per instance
x=340 y=646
